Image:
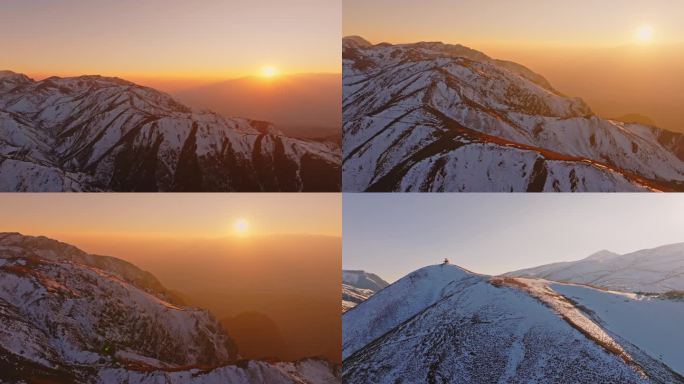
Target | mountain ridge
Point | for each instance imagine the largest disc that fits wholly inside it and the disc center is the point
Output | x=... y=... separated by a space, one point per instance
x=442 y=323
x=651 y=270
x=68 y=316
x=439 y=117
x=101 y=133
x=358 y=286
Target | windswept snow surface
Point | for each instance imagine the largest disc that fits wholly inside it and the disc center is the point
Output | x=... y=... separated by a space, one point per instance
x=652 y=324
x=397 y=303
x=445 y=324
x=655 y=270
x=70 y=317
x=93 y=133
x=438 y=117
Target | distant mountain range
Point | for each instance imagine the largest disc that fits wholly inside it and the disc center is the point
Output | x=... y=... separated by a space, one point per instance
x=92 y=133
x=656 y=270
x=436 y=117
x=358 y=286
x=445 y=324
x=251 y=283
x=300 y=105
x=69 y=316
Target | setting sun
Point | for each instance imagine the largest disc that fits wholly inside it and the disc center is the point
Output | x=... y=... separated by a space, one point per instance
x=644 y=33
x=241 y=226
x=269 y=71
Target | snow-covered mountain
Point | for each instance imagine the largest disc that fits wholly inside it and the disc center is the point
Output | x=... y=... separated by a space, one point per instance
x=655 y=270
x=68 y=316
x=363 y=280
x=94 y=133
x=358 y=286
x=438 y=117
x=443 y=324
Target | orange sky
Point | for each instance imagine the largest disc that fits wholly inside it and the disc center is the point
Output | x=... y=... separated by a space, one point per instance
x=208 y=39
x=521 y=22
x=70 y=216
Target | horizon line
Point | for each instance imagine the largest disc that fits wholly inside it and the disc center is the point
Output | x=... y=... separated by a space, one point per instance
x=39 y=76
x=521 y=44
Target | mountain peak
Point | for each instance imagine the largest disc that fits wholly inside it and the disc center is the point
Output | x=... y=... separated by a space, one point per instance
x=602 y=255
x=364 y=280
x=402 y=300
x=9 y=79
x=7 y=73
x=443 y=270
x=656 y=270
x=355 y=42
x=45 y=248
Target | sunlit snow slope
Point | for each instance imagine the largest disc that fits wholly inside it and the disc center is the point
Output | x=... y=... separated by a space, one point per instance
x=443 y=324
x=70 y=317
x=358 y=286
x=438 y=117
x=93 y=133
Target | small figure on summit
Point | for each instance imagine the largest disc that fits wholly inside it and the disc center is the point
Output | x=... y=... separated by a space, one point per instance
x=446 y=261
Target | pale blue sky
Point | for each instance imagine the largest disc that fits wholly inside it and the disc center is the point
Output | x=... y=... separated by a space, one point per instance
x=394 y=234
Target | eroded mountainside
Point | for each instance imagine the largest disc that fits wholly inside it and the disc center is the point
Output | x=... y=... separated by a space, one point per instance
x=71 y=317
x=93 y=133
x=438 y=117
x=358 y=286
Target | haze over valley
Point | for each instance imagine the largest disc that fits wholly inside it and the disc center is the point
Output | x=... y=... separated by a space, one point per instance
x=264 y=266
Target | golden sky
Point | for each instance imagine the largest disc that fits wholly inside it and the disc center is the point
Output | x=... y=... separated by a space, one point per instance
x=195 y=215
x=215 y=39
x=528 y=22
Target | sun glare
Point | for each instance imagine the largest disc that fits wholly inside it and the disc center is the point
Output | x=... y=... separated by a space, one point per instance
x=241 y=226
x=269 y=71
x=644 y=34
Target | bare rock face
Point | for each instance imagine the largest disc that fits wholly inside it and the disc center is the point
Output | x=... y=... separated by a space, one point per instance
x=92 y=133
x=438 y=117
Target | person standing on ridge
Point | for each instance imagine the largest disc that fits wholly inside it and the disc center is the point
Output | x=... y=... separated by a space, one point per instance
x=446 y=261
